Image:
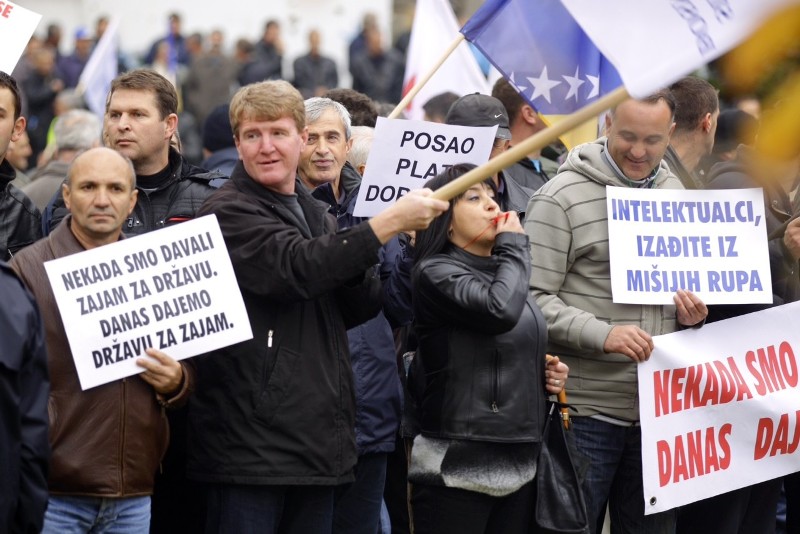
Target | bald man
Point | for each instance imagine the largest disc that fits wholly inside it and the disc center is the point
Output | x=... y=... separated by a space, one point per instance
x=108 y=441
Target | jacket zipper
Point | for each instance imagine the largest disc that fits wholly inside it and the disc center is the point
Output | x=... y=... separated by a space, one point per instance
x=495 y=381
x=269 y=339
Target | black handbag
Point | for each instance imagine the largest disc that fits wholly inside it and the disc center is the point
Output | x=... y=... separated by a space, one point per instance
x=560 y=506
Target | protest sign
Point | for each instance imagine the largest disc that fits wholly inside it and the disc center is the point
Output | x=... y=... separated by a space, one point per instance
x=173 y=290
x=712 y=243
x=17 y=24
x=405 y=154
x=719 y=407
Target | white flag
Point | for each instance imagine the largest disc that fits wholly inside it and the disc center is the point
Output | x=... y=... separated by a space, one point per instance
x=434 y=29
x=100 y=70
x=654 y=45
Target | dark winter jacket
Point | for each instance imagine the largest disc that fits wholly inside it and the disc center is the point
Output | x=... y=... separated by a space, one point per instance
x=482 y=344
x=526 y=174
x=24 y=449
x=740 y=174
x=279 y=409
x=176 y=200
x=20 y=221
x=372 y=354
x=512 y=196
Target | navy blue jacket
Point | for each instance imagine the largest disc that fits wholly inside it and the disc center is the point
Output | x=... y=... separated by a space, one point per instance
x=378 y=389
x=24 y=390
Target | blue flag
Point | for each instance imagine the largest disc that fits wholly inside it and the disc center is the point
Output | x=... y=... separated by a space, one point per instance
x=541 y=50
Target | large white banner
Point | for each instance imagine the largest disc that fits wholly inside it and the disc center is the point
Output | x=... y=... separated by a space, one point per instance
x=17 y=24
x=173 y=290
x=405 y=154
x=712 y=243
x=652 y=44
x=719 y=407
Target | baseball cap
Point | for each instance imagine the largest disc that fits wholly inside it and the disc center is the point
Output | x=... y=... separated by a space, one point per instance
x=479 y=110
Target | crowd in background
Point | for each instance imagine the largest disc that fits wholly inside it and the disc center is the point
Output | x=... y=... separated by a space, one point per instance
x=711 y=147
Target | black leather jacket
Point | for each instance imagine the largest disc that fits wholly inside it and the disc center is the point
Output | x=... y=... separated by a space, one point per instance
x=482 y=344
x=20 y=221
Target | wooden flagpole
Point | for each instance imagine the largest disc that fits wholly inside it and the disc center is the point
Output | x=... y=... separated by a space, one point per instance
x=421 y=83
x=534 y=142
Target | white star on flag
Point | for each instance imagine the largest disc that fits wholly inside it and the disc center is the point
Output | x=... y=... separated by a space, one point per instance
x=542 y=85
x=574 y=84
x=595 y=81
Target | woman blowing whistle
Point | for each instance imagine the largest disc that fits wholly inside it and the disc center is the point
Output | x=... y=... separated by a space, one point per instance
x=479 y=372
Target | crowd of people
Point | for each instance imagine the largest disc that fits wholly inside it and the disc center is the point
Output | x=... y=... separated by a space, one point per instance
x=400 y=370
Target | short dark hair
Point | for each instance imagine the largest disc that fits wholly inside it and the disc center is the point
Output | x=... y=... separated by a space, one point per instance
x=653 y=98
x=694 y=97
x=363 y=111
x=511 y=99
x=8 y=81
x=148 y=80
x=433 y=239
x=439 y=105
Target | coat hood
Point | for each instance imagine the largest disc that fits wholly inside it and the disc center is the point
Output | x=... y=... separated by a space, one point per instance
x=590 y=160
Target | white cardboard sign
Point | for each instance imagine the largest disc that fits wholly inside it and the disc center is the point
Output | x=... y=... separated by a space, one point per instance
x=719 y=407
x=173 y=289
x=713 y=243
x=405 y=154
x=17 y=24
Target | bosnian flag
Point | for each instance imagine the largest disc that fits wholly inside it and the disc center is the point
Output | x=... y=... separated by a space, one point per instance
x=435 y=28
x=543 y=52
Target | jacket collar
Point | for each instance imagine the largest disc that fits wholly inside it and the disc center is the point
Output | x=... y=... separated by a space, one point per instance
x=63 y=242
x=7 y=174
x=313 y=209
x=482 y=263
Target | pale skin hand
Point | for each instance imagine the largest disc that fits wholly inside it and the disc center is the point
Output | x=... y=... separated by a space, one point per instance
x=791 y=238
x=690 y=310
x=555 y=375
x=509 y=222
x=414 y=211
x=161 y=372
x=637 y=344
x=631 y=341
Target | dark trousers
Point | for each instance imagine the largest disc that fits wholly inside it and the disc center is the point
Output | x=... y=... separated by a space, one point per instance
x=357 y=507
x=437 y=509
x=269 y=509
x=791 y=487
x=743 y=511
x=395 y=492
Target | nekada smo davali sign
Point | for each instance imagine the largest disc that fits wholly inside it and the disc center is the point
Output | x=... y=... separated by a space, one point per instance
x=405 y=154
x=173 y=289
x=720 y=407
x=712 y=243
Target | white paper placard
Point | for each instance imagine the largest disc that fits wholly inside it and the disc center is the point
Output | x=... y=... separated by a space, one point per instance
x=173 y=289
x=17 y=24
x=712 y=242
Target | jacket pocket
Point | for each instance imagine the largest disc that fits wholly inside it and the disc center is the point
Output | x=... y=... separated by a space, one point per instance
x=276 y=385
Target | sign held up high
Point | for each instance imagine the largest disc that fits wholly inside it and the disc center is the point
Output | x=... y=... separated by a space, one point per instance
x=17 y=24
x=405 y=154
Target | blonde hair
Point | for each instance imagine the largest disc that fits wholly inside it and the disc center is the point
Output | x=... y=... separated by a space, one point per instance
x=269 y=101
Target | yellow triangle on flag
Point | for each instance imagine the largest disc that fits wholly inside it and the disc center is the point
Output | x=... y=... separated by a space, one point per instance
x=584 y=133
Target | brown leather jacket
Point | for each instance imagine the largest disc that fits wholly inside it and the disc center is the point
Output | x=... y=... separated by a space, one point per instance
x=107 y=441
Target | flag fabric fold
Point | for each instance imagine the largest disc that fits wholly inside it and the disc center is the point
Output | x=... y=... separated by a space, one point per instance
x=100 y=70
x=435 y=27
